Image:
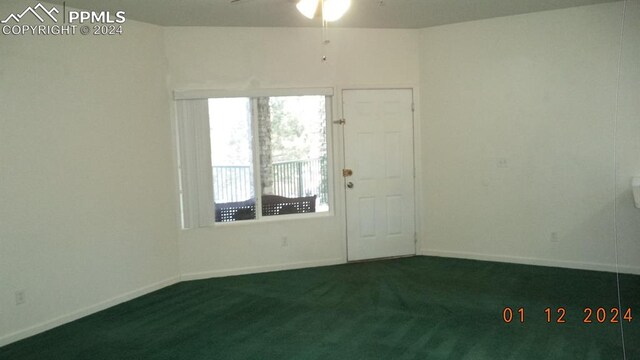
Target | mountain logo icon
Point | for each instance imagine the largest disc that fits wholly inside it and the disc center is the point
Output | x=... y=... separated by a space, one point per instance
x=34 y=11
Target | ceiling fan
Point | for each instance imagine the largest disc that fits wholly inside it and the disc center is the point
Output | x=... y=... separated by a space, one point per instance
x=329 y=10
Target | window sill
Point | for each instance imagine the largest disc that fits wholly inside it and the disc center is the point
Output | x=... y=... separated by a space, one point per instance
x=276 y=218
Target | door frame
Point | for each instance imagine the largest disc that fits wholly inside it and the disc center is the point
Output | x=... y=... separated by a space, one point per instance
x=417 y=167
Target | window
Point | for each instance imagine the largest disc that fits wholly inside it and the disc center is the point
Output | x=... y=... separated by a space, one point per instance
x=267 y=156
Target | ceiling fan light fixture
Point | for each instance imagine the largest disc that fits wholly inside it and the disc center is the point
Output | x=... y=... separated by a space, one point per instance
x=335 y=9
x=332 y=10
x=308 y=8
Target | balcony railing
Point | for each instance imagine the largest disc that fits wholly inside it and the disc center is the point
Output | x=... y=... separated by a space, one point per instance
x=290 y=179
x=232 y=183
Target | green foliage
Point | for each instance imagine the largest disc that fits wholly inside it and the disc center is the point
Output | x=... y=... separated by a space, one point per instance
x=289 y=140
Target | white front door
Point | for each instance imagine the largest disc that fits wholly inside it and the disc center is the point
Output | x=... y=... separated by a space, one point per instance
x=378 y=137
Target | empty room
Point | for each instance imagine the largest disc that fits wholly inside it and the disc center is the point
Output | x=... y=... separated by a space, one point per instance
x=320 y=179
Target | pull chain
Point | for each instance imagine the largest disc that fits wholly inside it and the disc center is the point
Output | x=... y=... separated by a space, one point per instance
x=325 y=37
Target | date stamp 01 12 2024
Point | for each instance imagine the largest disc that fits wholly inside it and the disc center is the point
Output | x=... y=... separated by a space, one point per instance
x=599 y=315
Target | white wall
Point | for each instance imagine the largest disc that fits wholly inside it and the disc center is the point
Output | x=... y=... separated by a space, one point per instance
x=537 y=90
x=628 y=139
x=87 y=209
x=88 y=213
x=253 y=58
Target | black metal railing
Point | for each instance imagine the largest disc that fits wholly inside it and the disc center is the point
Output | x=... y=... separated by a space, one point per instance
x=291 y=179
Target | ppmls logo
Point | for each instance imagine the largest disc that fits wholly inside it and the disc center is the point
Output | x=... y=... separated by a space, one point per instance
x=72 y=22
x=33 y=10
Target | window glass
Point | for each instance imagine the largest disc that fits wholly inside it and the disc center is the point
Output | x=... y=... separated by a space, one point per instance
x=287 y=137
x=232 y=159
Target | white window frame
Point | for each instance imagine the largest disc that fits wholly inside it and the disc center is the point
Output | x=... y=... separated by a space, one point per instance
x=194 y=154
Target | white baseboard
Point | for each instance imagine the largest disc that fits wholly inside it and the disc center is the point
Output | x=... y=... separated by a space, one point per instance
x=50 y=324
x=533 y=261
x=260 y=269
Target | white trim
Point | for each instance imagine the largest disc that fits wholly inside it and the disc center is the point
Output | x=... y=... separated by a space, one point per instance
x=260 y=269
x=580 y=265
x=177 y=177
x=277 y=218
x=75 y=315
x=214 y=93
x=338 y=197
x=328 y=130
x=380 y=87
x=420 y=204
x=255 y=157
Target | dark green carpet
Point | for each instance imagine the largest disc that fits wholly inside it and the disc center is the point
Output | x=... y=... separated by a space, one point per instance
x=412 y=308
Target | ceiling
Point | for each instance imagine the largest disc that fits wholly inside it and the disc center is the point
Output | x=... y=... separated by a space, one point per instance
x=283 y=13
